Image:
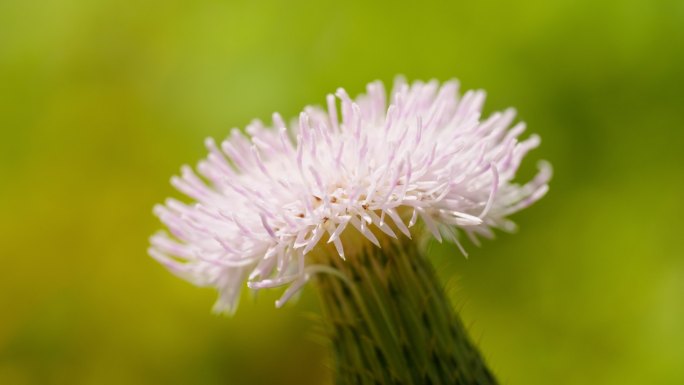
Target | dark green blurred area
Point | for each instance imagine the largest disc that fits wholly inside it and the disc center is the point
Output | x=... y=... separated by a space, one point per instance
x=101 y=102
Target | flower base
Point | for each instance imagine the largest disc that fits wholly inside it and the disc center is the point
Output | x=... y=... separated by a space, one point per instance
x=390 y=321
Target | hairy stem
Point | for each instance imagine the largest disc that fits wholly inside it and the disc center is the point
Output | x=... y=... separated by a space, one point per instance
x=391 y=322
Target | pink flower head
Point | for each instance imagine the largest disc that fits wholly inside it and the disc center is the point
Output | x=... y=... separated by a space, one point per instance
x=265 y=199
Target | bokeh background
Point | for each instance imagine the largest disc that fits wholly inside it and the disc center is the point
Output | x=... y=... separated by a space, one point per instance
x=102 y=101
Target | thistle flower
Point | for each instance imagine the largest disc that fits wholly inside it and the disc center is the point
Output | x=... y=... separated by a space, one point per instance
x=339 y=192
x=265 y=200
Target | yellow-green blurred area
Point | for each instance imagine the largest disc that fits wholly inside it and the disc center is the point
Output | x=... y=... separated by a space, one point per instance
x=102 y=101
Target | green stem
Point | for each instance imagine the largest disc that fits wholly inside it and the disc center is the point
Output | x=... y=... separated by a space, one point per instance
x=392 y=323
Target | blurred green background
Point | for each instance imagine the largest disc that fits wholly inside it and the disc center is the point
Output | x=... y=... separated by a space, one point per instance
x=102 y=101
